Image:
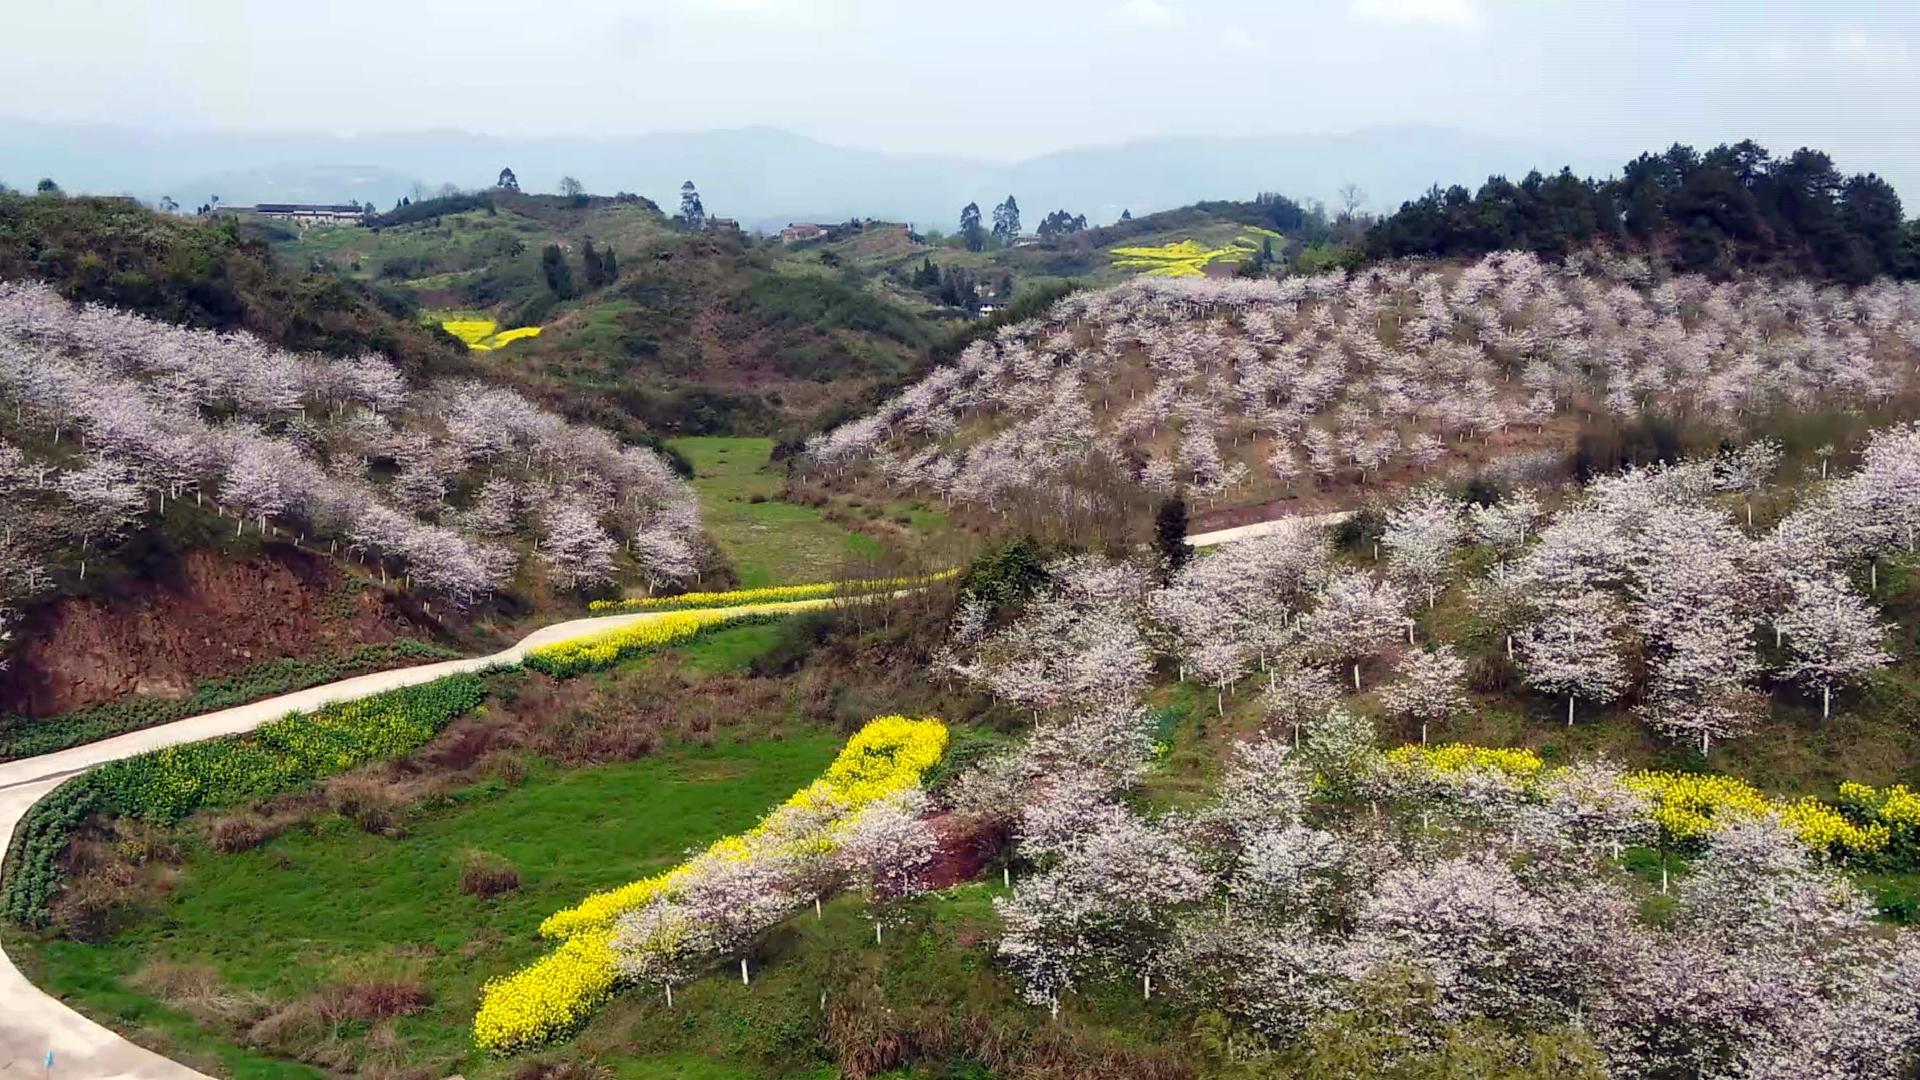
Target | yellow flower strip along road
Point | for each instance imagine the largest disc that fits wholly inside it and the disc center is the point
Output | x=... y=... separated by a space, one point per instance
x=556 y=993
x=770 y=593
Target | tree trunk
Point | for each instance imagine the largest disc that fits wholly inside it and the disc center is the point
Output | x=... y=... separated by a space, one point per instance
x=743 y=971
x=1356 y=676
x=1826 y=702
x=1569 y=710
x=669 y=995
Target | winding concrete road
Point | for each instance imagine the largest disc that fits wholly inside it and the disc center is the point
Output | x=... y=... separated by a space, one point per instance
x=1262 y=528
x=32 y=1022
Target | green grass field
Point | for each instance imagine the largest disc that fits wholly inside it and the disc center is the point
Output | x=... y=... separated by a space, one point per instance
x=335 y=903
x=770 y=542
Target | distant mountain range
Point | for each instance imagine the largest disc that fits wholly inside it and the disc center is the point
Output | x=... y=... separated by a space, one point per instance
x=766 y=177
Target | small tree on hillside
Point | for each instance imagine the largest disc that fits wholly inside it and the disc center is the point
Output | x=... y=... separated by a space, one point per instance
x=553 y=266
x=1355 y=617
x=596 y=271
x=572 y=188
x=1060 y=223
x=693 y=214
x=1421 y=536
x=1006 y=221
x=971 y=234
x=507 y=180
x=1170 y=534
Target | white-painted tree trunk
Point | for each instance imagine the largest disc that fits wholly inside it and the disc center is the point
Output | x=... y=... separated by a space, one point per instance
x=743 y=971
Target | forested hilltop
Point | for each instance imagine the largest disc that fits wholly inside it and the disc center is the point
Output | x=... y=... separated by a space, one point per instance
x=206 y=275
x=1731 y=208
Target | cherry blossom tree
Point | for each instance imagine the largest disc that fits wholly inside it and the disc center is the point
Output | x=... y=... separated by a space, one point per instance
x=1831 y=635
x=1356 y=615
x=1574 y=649
x=1432 y=687
x=1421 y=536
x=886 y=850
x=1505 y=526
x=574 y=546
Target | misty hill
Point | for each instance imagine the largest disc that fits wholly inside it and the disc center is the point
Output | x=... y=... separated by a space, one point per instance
x=763 y=176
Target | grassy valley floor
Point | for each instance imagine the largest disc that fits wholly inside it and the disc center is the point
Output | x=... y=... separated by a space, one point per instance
x=775 y=542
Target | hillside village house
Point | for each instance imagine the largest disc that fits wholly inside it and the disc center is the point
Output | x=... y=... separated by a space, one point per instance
x=305 y=214
x=801 y=231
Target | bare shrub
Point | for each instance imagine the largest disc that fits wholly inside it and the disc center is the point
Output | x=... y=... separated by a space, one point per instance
x=484 y=875
x=310 y=1028
x=244 y=831
x=197 y=989
x=378 y=998
x=368 y=803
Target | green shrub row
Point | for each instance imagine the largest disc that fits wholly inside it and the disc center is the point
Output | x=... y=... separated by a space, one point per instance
x=31 y=874
x=166 y=785
x=24 y=738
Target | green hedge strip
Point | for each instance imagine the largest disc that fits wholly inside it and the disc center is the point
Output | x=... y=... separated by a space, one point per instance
x=166 y=785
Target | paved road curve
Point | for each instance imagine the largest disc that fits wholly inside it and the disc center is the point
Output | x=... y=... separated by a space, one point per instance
x=32 y=1022
x=1262 y=528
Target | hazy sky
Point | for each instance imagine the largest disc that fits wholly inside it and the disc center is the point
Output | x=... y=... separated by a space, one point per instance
x=990 y=78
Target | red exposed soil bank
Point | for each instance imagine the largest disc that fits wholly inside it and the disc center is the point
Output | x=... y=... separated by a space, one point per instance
x=963 y=850
x=210 y=615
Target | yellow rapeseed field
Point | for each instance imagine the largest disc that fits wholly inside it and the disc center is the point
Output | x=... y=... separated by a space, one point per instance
x=769 y=594
x=556 y=993
x=485 y=335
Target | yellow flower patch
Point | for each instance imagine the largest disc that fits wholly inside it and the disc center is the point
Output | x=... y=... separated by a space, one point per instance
x=555 y=994
x=1189 y=257
x=1459 y=757
x=485 y=335
x=1183 y=258
x=592 y=651
x=768 y=594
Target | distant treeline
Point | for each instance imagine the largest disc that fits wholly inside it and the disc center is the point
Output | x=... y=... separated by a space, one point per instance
x=1733 y=208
